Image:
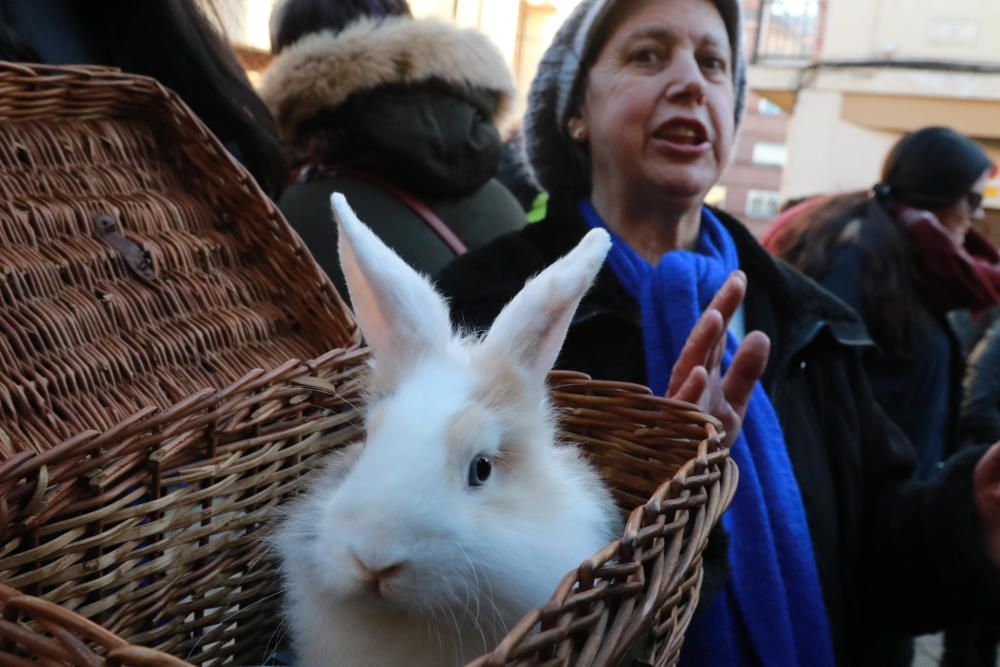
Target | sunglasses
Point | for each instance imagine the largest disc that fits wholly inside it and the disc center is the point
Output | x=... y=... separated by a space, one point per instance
x=975 y=200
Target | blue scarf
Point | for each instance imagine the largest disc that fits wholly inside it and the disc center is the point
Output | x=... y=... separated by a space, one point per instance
x=771 y=612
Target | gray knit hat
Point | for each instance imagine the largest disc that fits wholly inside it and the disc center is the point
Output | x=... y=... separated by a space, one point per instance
x=561 y=164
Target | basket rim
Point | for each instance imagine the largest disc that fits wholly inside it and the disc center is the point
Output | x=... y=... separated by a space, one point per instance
x=85 y=442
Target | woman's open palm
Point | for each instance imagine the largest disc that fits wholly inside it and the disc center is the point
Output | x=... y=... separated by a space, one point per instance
x=697 y=376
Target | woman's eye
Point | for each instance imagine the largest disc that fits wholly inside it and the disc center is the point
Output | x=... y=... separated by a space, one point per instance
x=645 y=56
x=714 y=64
x=480 y=470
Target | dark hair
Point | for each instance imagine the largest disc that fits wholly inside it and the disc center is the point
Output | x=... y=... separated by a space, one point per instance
x=294 y=19
x=929 y=169
x=932 y=168
x=889 y=284
x=173 y=42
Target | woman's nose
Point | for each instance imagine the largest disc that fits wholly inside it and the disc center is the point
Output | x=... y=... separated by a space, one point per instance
x=685 y=82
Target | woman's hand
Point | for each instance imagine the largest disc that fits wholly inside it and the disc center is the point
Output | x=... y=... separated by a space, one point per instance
x=986 y=493
x=697 y=376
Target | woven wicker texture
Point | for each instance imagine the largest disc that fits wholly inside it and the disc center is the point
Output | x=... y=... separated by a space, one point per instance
x=153 y=309
x=68 y=639
x=85 y=344
x=172 y=363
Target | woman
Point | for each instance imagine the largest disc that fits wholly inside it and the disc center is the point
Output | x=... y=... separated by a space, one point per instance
x=979 y=422
x=401 y=115
x=631 y=120
x=903 y=256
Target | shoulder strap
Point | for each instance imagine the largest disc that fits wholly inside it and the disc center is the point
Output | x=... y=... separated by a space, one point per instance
x=423 y=211
x=429 y=217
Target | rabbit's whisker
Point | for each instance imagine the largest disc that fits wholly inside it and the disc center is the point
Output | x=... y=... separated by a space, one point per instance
x=497 y=616
x=458 y=632
x=476 y=594
x=277 y=637
x=226 y=618
x=437 y=629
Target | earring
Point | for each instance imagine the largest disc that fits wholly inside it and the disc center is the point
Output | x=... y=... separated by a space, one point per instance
x=577 y=130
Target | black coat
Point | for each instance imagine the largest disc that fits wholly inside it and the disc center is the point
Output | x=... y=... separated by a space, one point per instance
x=917 y=384
x=895 y=557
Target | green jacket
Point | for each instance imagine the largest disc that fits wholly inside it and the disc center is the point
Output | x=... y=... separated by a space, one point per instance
x=475 y=218
x=425 y=120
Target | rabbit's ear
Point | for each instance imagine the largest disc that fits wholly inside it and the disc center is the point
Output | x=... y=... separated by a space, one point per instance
x=399 y=312
x=530 y=330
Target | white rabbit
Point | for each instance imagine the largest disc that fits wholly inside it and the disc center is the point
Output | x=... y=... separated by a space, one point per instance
x=459 y=513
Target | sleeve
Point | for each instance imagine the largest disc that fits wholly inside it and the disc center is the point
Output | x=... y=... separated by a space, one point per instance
x=925 y=564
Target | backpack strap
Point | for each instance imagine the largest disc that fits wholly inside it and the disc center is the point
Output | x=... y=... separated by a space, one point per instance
x=429 y=217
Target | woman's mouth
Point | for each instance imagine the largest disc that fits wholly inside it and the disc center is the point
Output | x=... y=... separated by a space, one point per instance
x=683 y=137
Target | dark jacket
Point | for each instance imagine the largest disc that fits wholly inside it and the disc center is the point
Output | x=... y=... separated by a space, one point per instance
x=918 y=387
x=388 y=113
x=980 y=420
x=895 y=557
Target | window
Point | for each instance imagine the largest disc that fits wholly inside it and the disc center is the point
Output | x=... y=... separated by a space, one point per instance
x=770 y=154
x=763 y=203
x=768 y=108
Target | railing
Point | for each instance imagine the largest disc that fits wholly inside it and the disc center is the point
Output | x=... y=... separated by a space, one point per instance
x=786 y=29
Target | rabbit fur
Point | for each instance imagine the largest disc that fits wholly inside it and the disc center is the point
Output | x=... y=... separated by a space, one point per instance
x=395 y=555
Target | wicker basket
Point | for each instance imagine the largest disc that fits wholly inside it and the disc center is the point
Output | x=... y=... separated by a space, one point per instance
x=163 y=335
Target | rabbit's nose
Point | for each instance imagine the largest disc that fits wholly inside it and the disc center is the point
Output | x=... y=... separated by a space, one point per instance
x=373 y=576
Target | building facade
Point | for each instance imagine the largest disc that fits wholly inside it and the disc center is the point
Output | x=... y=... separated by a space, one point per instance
x=750 y=187
x=879 y=69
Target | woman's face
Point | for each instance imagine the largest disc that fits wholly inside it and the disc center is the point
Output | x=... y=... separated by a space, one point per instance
x=659 y=100
x=959 y=217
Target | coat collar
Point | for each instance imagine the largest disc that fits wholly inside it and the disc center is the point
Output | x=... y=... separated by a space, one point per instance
x=788 y=306
x=323 y=69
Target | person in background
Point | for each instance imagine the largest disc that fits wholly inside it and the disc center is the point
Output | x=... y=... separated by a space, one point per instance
x=980 y=417
x=400 y=115
x=976 y=645
x=902 y=256
x=832 y=545
x=169 y=40
x=969 y=327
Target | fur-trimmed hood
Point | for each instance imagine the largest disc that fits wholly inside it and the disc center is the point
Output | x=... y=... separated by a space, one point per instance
x=322 y=70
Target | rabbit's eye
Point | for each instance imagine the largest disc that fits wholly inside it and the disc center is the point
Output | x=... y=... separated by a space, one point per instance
x=480 y=470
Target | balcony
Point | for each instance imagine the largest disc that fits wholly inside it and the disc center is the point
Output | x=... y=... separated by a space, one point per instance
x=784 y=31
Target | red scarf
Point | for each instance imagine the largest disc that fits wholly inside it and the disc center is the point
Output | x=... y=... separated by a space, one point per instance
x=966 y=276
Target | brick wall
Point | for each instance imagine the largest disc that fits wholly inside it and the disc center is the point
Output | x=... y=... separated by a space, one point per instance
x=743 y=175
